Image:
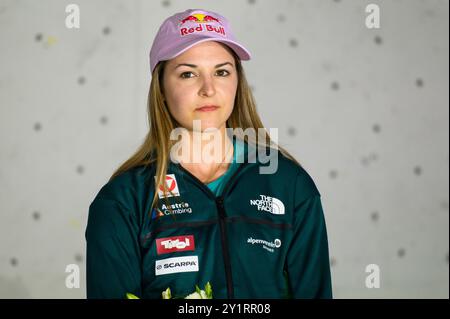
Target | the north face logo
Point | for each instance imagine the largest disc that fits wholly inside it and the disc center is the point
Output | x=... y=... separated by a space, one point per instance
x=269 y=204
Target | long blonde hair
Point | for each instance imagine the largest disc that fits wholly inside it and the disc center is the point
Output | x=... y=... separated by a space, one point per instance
x=157 y=144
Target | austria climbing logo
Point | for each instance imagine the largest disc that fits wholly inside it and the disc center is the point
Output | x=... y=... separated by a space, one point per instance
x=269 y=204
x=171 y=209
x=156 y=213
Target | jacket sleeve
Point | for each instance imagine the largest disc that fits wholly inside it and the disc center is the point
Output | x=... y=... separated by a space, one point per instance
x=308 y=264
x=113 y=265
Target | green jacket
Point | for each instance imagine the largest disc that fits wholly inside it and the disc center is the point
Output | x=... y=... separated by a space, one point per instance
x=258 y=236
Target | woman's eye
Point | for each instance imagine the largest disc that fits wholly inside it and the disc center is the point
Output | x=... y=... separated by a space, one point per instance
x=185 y=73
x=225 y=71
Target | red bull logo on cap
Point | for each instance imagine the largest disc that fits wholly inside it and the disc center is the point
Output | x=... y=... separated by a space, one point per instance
x=200 y=18
x=202 y=26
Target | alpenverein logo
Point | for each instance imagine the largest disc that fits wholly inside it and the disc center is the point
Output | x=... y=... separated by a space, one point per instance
x=202 y=21
x=269 y=204
x=267 y=245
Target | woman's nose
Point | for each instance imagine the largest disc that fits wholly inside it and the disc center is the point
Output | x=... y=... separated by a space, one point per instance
x=207 y=87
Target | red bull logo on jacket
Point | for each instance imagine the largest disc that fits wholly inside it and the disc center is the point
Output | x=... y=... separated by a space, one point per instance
x=202 y=21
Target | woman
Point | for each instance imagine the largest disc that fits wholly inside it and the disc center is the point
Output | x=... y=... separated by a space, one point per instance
x=166 y=220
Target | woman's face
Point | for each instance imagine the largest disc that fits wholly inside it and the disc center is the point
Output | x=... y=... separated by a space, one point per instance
x=211 y=79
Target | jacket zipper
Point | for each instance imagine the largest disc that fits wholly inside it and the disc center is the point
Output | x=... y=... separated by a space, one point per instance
x=222 y=221
x=225 y=248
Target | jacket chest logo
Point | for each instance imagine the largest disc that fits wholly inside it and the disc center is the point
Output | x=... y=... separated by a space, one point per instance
x=176 y=265
x=270 y=246
x=171 y=185
x=269 y=204
x=175 y=244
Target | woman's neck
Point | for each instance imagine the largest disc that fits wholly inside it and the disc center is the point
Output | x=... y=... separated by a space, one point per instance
x=210 y=154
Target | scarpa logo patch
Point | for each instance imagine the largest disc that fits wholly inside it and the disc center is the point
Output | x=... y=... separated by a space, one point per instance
x=176 y=265
x=269 y=204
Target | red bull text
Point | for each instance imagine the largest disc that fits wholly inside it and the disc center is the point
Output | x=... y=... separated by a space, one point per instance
x=202 y=28
x=202 y=25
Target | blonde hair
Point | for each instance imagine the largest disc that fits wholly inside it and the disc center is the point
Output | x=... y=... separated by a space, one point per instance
x=157 y=144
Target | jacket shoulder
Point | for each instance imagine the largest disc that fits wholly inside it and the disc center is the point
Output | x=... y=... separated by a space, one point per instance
x=124 y=187
x=305 y=187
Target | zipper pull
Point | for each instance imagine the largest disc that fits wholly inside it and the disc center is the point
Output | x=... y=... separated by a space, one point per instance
x=219 y=202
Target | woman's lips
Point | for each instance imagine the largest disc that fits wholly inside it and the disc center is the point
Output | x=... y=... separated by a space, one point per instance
x=207 y=108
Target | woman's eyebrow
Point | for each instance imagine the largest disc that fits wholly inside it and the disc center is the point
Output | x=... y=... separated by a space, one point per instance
x=195 y=66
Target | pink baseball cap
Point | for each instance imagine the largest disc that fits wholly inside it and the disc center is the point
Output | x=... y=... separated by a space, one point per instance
x=183 y=30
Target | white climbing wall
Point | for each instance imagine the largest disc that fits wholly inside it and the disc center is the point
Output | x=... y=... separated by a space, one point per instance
x=364 y=110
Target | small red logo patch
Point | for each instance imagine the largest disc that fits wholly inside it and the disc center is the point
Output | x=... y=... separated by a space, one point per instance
x=173 y=244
